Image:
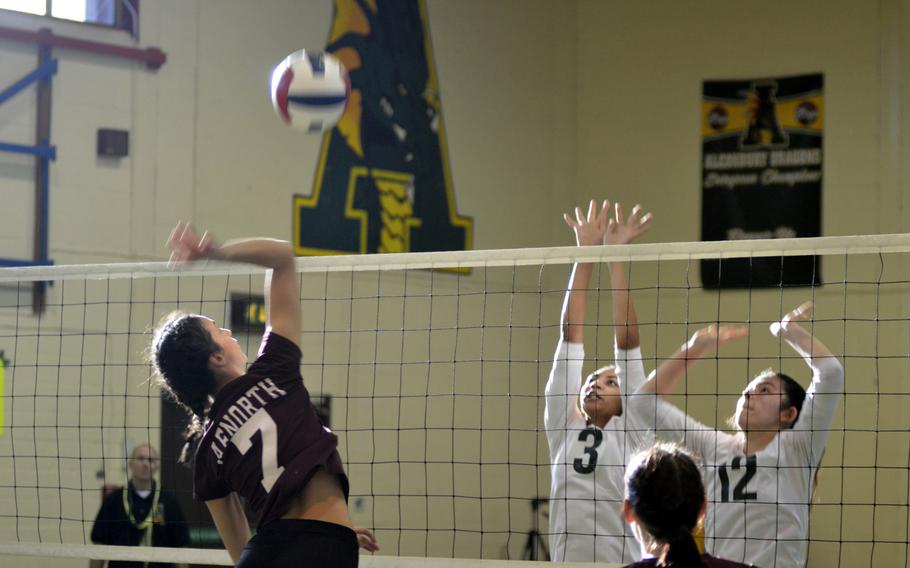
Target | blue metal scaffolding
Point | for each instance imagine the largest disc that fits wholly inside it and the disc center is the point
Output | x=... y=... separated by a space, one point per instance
x=44 y=153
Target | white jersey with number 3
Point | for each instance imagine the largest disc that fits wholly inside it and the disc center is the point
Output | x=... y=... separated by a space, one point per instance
x=758 y=503
x=587 y=464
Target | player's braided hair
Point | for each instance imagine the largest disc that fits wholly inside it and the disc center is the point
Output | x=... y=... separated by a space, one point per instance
x=180 y=353
x=665 y=490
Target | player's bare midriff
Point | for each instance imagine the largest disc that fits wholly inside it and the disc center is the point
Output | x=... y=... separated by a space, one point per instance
x=321 y=500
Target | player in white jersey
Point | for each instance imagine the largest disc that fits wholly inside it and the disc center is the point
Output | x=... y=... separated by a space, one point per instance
x=586 y=433
x=760 y=480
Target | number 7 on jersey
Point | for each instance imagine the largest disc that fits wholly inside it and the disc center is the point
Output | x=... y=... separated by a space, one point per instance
x=261 y=422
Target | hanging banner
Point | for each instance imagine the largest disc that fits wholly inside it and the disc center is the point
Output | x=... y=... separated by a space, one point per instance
x=383 y=182
x=762 y=175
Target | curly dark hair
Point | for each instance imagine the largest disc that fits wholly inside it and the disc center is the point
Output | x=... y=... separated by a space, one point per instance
x=180 y=352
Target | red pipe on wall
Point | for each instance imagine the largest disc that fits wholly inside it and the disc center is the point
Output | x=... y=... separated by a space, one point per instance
x=152 y=56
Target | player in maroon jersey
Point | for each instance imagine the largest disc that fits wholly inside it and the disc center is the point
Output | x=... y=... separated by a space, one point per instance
x=254 y=431
x=665 y=501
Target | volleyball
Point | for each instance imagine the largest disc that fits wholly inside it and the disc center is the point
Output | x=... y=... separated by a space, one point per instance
x=310 y=90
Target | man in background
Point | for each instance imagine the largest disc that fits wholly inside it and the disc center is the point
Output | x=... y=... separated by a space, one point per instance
x=140 y=514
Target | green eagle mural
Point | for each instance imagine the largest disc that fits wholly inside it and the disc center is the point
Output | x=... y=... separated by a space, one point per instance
x=383 y=182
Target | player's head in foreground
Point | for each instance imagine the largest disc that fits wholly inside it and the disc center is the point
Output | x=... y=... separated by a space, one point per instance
x=665 y=500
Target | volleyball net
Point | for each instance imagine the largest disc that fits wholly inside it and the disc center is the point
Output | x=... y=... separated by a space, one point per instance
x=430 y=368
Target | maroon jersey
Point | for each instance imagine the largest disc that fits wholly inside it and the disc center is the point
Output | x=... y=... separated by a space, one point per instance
x=263 y=438
x=707 y=561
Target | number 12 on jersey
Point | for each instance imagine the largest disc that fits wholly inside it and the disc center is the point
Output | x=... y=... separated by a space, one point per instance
x=739 y=491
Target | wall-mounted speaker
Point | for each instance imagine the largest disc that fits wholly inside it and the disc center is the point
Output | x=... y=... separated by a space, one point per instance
x=113 y=143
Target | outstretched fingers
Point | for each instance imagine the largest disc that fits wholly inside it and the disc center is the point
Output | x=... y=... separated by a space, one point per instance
x=713 y=336
x=187 y=245
x=727 y=333
x=639 y=219
x=366 y=540
x=601 y=220
x=175 y=243
x=623 y=230
x=589 y=227
x=801 y=313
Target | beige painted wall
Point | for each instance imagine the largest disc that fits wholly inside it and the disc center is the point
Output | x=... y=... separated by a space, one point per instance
x=640 y=68
x=640 y=72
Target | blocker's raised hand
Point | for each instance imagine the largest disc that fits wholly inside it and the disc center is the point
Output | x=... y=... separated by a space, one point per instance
x=713 y=336
x=801 y=313
x=622 y=231
x=589 y=229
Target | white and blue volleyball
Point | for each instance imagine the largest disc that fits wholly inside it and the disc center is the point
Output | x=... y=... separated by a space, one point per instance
x=310 y=90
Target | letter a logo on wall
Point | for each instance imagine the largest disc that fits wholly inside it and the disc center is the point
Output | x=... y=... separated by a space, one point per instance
x=383 y=182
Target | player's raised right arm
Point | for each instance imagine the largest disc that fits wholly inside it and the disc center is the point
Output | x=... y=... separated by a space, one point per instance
x=281 y=287
x=589 y=230
x=621 y=231
x=564 y=381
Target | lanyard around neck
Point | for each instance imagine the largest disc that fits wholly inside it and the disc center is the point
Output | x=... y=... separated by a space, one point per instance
x=145 y=523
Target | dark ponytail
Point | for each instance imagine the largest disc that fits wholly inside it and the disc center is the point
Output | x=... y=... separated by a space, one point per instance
x=681 y=549
x=665 y=490
x=796 y=395
x=180 y=353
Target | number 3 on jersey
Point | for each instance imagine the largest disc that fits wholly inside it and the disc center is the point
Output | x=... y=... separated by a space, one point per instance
x=243 y=439
x=591 y=437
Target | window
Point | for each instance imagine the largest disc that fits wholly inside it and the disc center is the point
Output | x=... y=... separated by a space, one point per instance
x=122 y=14
x=28 y=6
x=69 y=9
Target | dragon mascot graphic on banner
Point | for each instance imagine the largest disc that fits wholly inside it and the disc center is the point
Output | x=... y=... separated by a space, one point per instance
x=383 y=182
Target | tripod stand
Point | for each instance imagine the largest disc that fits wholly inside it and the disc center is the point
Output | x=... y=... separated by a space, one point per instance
x=536 y=546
